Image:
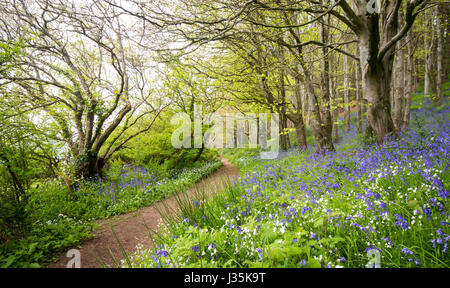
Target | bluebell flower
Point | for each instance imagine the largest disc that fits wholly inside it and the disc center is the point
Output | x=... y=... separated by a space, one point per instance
x=401 y=222
x=407 y=251
x=162 y=253
x=260 y=254
x=372 y=247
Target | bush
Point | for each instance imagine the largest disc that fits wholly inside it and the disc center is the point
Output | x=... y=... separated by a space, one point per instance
x=157 y=151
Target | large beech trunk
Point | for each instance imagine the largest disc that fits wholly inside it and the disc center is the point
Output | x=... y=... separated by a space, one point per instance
x=378 y=32
x=379 y=111
x=377 y=75
x=89 y=165
x=376 y=86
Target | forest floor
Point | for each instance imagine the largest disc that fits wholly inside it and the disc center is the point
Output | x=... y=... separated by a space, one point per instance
x=132 y=229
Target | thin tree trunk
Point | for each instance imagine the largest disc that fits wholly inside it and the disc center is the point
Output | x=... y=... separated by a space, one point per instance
x=397 y=111
x=323 y=138
x=297 y=116
x=334 y=103
x=305 y=102
x=426 y=83
x=199 y=154
x=283 y=119
x=18 y=187
x=428 y=44
x=359 y=97
x=409 y=80
x=346 y=93
x=439 y=56
x=445 y=24
x=325 y=85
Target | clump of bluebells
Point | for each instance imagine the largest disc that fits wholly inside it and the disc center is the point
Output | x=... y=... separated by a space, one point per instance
x=325 y=210
x=136 y=186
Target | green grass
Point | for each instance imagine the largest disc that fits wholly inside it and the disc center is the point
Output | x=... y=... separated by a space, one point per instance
x=56 y=221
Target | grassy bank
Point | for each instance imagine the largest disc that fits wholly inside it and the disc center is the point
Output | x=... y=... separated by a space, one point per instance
x=57 y=221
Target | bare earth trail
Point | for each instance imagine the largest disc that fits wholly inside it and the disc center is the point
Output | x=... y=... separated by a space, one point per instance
x=132 y=228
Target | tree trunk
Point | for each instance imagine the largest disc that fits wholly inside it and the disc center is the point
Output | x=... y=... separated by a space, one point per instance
x=377 y=94
x=445 y=26
x=378 y=32
x=199 y=154
x=88 y=165
x=346 y=93
x=379 y=115
x=397 y=111
x=428 y=45
x=20 y=194
x=334 y=102
x=359 y=97
x=377 y=73
x=288 y=138
x=284 y=136
x=321 y=126
x=323 y=138
x=301 y=134
x=282 y=131
x=305 y=108
x=410 y=64
x=297 y=117
x=325 y=85
x=439 y=56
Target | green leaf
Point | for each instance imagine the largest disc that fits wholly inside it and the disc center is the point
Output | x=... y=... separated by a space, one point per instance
x=413 y=204
x=318 y=223
x=314 y=263
x=9 y=261
x=267 y=233
x=32 y=247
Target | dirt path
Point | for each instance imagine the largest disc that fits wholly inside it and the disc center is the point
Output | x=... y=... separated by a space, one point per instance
x=132 y=228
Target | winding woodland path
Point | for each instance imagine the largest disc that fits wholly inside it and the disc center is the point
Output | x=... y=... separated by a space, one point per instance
x=132 y=228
